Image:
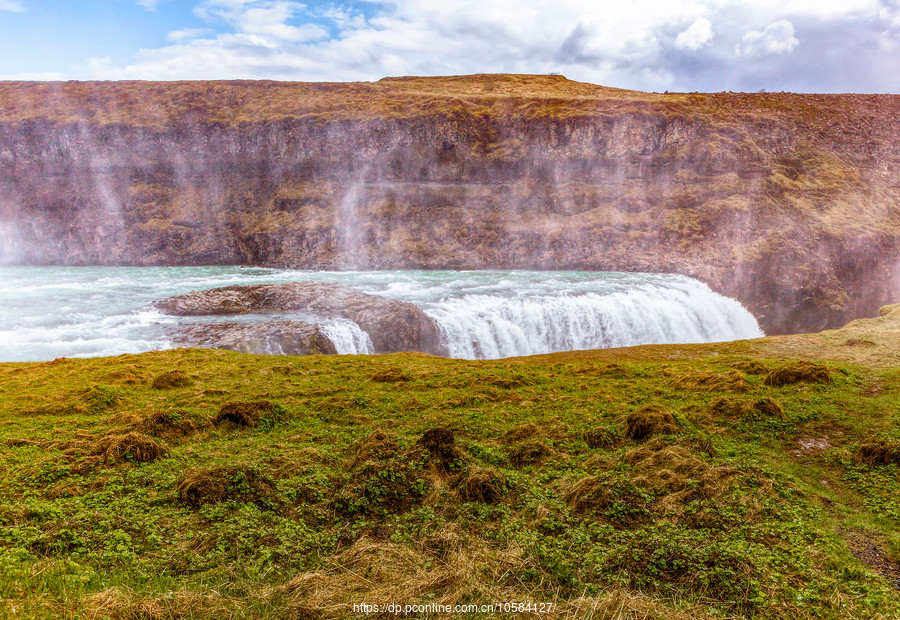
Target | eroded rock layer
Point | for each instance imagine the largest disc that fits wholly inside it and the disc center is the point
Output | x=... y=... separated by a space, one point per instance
x=790 y=203
x=265 y=338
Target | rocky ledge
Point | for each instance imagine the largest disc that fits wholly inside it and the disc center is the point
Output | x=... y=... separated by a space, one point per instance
x=392 y=325
x=267 y=338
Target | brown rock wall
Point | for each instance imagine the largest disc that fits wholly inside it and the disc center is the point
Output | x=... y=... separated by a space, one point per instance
x=790 y=203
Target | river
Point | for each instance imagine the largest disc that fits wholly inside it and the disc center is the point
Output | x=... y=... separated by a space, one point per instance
x=50 y=312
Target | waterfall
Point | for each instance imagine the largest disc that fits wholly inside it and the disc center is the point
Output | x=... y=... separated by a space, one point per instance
x=490 y=326
x=347 y=337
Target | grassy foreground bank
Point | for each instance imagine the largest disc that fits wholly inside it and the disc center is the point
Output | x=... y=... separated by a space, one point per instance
x=657 y=482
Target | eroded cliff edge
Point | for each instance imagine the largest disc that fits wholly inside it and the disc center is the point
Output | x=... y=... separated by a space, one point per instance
x=790 y=203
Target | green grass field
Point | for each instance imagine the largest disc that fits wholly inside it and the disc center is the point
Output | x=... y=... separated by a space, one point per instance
x=657 y=482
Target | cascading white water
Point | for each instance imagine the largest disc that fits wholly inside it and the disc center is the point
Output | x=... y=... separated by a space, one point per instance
x=347 y=337
x=48 y=312
x=484 y=326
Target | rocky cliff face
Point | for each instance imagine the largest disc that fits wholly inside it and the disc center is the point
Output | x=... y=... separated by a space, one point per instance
x=790 y=203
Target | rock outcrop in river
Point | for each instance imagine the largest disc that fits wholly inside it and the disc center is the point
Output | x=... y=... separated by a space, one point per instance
x=790 y=203
x=266 y=338
x=392 y=325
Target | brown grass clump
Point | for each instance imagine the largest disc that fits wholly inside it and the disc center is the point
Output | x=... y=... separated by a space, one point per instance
x=130 y=375
x=878 y=452
x=441 y=444
x=728 y=381
x=726 y=407
x=391 y=375
x=383 y=478
x=245 y=413
x=649 y=421
x=122 y=604
x=171 y=379
x=598 y=438
x=618 y=604
x=17 y=442
x=483 y=484
x=768 y=408
x=661 y=467
x=378 y=446
x=168 y=425
x=529 y=453
x=751 y=367
x=506 y=383
x=736 y=408
x=614 y=499
x=889 y=310
x=607 y=370
x=797 y=372
x=859 y=342
x=447 y=570
x=522 y=431
x=99 y=398
x=135 y=447
x=212 y=485
x=677 y=476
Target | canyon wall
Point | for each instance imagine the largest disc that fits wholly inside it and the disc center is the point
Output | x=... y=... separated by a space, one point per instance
x=789 y=203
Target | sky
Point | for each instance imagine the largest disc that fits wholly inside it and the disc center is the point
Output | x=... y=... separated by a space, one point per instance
x=650 y=45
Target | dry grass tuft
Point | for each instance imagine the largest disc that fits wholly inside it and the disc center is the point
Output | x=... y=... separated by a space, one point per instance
x=677 y=475
x=13 y=442
x=605 y=370
x=728 y=381
x=878 y=452
x=116 y=604
x=130 y=375
x=391 y=375
x=134 y=447
x=378 y=446
x=522 y=431
x=506 y=382
x=859 y=342
x=751 y=367
x=735 y=408
x=768 y=408
x=614 y=499
x=727 y=407
x=167 y=425
x=483 y=484
x=529 y=453
x=447 y=571
x=601 y=438
x=212 y=485
x=892 y=310
x=798 y=372
x=441 y=444
x=620 y=604
x=649 y=421
x=245 y=413
x=171 y=379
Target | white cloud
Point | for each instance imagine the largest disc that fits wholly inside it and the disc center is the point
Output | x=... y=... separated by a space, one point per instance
x=626 y=44
x=150 y=5
x=777 y=38
x=37 y=77
x=264 y=19
x=697 y=35
x=11 y=5
x=188 y=33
